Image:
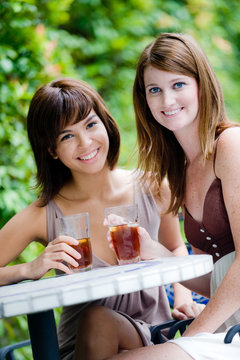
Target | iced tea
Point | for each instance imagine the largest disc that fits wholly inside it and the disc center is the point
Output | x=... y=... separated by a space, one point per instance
x=84 y=249
x=126 y=242
x=77 y=226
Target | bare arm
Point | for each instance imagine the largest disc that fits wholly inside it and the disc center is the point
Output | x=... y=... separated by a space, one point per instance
x=222 y=306
x=200 y=285
x=170 y=237
x=27 y=226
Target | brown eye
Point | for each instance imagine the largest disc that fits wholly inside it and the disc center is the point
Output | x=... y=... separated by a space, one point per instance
x=66 y=137
x=91 y=124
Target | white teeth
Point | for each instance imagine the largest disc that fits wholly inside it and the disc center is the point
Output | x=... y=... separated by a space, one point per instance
x=90 y=156
x=171 y=112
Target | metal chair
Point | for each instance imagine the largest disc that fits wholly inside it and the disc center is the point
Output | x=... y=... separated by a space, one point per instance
x=7 y=352
x=174 y=326
x=231 y=333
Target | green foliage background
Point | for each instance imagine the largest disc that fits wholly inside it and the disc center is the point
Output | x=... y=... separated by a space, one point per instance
x=98 y=41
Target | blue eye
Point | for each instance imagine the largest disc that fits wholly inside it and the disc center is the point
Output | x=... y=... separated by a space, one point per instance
x=179 y=85
x=154 y=90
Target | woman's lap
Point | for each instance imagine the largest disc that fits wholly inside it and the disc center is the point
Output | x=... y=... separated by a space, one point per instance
x=206 y=346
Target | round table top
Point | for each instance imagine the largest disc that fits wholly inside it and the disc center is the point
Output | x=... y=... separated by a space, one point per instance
x=34 y=296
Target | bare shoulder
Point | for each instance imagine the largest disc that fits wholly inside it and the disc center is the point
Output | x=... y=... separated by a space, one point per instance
x=229 y=135
x=38 y=214
x=34 y=211
x=228 y=152
x=31 y=221
x=25 y=227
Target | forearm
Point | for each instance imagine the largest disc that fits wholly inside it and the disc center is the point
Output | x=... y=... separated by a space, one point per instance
x=13 y=274
x=180 y=250
x=200 y=285
x=158 y=250
x=181 y=295
x=150 y=249
x=221 y=306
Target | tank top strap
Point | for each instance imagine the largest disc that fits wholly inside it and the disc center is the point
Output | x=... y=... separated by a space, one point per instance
x=147 y=208
x=52 y=212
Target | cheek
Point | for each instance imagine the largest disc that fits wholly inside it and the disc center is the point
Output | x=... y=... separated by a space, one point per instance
x=107 y=142
x=64 y=152
x=104 y=137
x=195 y=103
x=193 y=97
x=152 y=105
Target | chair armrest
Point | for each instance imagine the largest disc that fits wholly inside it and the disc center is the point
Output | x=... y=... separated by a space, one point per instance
x=8 y=350
x=231 y=333
x=173 y=325
x=180 y=325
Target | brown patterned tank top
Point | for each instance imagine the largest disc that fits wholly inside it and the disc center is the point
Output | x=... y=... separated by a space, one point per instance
x=213 y=235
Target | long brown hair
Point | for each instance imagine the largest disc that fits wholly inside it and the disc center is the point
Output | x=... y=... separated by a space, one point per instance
x=159 y=151
x=54 y=106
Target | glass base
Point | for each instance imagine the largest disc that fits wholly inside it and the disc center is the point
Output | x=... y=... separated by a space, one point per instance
x=82 y=269
x=128 y=261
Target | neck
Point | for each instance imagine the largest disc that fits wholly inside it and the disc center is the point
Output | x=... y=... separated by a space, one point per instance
x=87 y=186
x=190 y=144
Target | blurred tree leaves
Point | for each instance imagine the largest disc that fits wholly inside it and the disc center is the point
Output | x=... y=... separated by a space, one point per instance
x=98 y=41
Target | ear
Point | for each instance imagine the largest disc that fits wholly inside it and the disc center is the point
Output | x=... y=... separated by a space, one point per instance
x=54 y=156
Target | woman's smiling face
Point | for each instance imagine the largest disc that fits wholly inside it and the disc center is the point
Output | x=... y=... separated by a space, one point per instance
x=83 y=147
x=172 y=98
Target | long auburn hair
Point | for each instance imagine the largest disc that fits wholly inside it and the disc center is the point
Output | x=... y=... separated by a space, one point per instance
x=53 y=107
x=159 y=150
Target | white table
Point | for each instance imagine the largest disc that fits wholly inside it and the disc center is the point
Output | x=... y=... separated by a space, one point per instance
x=38 y=298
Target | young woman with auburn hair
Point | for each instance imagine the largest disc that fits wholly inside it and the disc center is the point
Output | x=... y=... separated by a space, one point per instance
x=184 y=135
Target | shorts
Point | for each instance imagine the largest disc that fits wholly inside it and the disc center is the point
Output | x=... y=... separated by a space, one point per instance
x=207 y=346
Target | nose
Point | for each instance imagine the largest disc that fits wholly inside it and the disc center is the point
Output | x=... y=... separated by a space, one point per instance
x=168 y=99
x=84 y=140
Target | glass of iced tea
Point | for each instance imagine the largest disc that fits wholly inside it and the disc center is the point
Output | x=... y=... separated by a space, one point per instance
x=123 y=226
x=78 y=227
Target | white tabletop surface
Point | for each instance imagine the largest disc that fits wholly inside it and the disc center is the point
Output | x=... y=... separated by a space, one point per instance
x=33 y=296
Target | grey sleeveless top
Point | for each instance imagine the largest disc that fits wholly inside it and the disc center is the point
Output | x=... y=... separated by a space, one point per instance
x=142 y=308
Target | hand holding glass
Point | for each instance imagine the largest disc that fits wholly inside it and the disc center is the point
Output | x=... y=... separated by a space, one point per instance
x=78 y=227
x=123 y=226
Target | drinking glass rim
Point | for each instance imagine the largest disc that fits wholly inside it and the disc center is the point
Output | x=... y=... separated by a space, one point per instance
x=121 y=206
x=73 y=215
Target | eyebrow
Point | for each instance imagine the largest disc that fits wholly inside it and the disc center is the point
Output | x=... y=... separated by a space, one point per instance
x=87 y=120
x=151 y=85
x=181 y=77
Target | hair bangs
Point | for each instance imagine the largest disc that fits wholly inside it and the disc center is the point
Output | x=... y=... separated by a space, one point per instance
x=174 y=57
x=76 y=106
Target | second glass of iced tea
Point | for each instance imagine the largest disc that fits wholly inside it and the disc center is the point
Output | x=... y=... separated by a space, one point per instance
x=123 y=226
x=78 y=227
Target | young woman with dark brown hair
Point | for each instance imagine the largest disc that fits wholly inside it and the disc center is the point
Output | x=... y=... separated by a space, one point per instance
x=76 y=143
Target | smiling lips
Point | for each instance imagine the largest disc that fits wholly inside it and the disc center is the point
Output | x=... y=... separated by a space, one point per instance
x=89 y=156
x=173 y=112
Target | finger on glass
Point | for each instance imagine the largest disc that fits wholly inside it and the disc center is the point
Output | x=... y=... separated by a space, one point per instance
x=122 y=222
x=78 y=227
